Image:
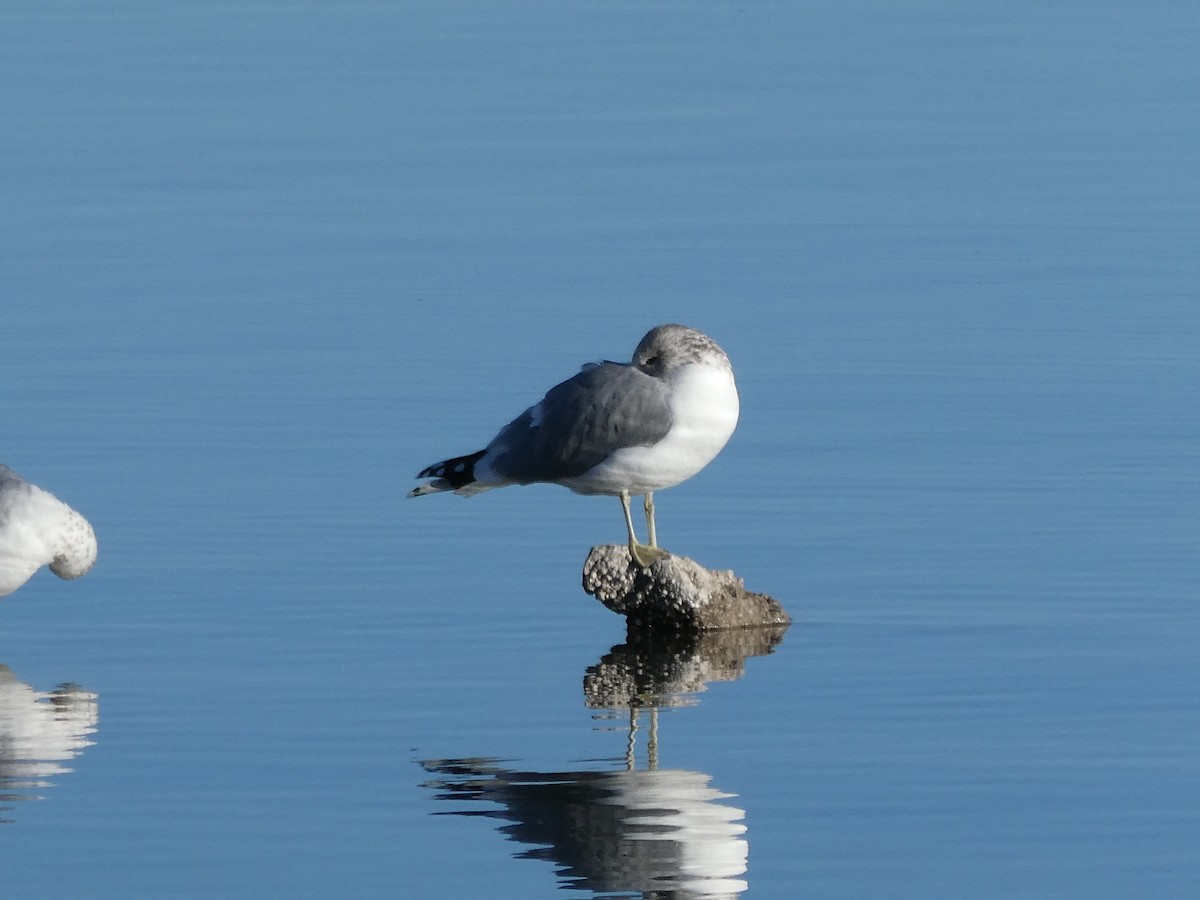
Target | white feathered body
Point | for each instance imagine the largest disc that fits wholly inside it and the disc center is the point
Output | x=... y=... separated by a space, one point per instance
x=37 y=529
x=704 y=413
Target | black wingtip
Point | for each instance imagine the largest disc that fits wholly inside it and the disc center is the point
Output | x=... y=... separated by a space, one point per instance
x=456 y=472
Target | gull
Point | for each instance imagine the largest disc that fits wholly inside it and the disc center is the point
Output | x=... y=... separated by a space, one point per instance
x=37 y=529
x=618 y=429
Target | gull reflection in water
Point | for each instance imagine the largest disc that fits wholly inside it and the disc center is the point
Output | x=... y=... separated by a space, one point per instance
x=651 y=832
x=39 y=733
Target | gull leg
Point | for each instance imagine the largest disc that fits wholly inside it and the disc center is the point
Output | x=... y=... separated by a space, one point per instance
x=628 y=519
x=652 y=740
x=631 y=744
x=644 y=556
x=649 y=507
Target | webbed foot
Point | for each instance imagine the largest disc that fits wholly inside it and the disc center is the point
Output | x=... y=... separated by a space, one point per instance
x=646 y=556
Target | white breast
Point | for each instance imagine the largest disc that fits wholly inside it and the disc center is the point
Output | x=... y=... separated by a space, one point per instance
x=704 y=406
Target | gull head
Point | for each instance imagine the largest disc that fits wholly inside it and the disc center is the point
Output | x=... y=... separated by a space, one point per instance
x=37 y=529
x=668 y=348
x=75 y=547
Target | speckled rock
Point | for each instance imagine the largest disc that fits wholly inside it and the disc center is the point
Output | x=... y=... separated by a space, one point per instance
x=675 y=593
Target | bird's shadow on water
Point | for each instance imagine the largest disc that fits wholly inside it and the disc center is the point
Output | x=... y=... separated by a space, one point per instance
x=626 y=831
x=40 y=732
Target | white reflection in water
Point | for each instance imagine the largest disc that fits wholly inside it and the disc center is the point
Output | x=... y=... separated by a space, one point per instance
x=660 y=832
x=654 y=832
x=39 y=733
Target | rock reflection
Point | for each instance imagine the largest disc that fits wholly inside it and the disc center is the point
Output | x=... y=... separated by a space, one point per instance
x=657 y=670
x=654 y=832
x=39 y=733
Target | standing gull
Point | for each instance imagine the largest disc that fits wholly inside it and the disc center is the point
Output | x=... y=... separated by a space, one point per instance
x=37 y=529
x=615 y=428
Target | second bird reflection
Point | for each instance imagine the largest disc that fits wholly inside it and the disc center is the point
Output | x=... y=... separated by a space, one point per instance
x=40 y=733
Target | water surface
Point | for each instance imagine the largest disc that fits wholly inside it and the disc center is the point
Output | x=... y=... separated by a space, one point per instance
x=264 y=261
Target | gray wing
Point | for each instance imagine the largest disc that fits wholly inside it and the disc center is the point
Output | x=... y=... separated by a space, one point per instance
x=580 y=422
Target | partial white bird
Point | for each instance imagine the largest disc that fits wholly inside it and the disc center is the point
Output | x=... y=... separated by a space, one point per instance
x=615 y=428
x=37 y=529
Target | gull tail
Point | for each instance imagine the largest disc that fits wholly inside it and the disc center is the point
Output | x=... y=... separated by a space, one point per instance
x=448 y=475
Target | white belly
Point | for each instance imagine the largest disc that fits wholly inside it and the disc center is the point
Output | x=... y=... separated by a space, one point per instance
x=704 y=406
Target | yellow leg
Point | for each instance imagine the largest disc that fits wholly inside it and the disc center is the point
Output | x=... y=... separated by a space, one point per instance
x=649 y=507
x=643 y=555
x=628 y=517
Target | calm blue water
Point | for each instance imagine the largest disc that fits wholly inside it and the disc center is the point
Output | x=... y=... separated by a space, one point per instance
x=262 y=261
